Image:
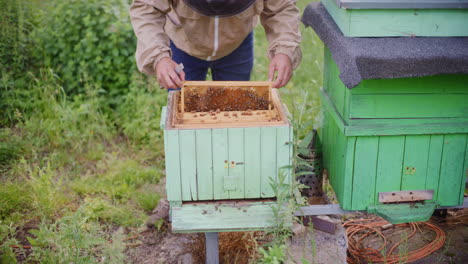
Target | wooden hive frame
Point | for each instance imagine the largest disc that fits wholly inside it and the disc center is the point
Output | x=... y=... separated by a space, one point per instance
x=181 y=117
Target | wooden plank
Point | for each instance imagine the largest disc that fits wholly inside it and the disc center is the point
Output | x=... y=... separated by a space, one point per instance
x=228 y=119
x=334 y=114
x=401 y=4
x=229 y=116
x=347 y=100
x=406 y=196
x=220 y=162
x=325 y=209
x=335 y=178
x=409 y=121
x=217 y=217
x=162 y=121
x=204 y=164
x=451 y=171
x=328 y=63
x=433 y=164
x=236 y=161
x=409 y=106
x=336 y=90
x=323 y=223
x=389 y=164
x=415 y=162
x=340 y=159
x=283 y=152
x=173 y=177
x=338 y=15
x=188 y=165
x=252 y=162
x=465 y=171
x=398 y=22
x=365 y=166
x=438 y=84
x=227 y=83
x=268 y=160
x=348 y=173
x=414 y=129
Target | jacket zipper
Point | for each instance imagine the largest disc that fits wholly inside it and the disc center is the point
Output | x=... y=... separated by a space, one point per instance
x=216 y=38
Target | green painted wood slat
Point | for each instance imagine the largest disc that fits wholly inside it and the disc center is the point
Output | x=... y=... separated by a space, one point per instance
x=268 y=160
x=188 y=165
x=346 y=199
x=415 y=162
x=433 y=164
x=236 y=155
x=389 y=164
x=398 y=22
x=204 y=164
x=283 y=152
x=222 y=217
x=451 y=171
x=409 y=106
x=220 y=162
x=465 y=175
x=252 y=162
x=173 y=178
x=365 y=163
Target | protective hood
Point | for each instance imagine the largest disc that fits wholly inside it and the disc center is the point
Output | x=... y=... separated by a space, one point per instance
x=221 y=8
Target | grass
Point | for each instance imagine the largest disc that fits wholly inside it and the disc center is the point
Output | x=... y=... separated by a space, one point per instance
x=73 y=173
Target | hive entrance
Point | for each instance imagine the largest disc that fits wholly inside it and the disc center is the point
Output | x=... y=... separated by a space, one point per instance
x=226 y=104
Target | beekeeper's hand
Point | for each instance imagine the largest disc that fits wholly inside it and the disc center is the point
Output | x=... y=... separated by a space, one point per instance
x=167 y=75
x=281 y=65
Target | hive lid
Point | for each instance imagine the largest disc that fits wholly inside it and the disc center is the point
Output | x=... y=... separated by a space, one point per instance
x=386 y=57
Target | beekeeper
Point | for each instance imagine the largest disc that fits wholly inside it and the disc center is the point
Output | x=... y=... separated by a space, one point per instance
x=216 y=35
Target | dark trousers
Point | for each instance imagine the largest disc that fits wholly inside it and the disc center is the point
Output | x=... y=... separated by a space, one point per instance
x=236 y=66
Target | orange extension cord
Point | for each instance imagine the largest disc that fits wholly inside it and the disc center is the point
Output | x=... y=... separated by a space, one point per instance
x=357 y=230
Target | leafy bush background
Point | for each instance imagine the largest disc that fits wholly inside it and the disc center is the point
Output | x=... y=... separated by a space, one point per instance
x=90 y=41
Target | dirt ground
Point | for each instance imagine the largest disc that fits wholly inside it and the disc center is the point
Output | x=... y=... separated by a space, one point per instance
x=455 y=225
x=158 y=247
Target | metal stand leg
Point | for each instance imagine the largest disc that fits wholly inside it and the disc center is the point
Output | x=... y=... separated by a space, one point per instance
x=211 y=248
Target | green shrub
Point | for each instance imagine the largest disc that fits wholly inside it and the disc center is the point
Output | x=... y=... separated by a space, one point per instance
x=140 y=112
x=90 y=41
x=17 y=56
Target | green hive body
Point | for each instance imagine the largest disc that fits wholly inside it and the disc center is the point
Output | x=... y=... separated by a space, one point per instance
x=395 y=130
x=206 y=166
x=369 y=18
x=393 y=135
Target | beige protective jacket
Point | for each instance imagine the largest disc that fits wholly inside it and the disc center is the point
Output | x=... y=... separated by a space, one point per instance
x=210 y=38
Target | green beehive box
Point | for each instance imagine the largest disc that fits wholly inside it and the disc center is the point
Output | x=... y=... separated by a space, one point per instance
x=393 y=135
x=219 y=163
x=407 y=18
